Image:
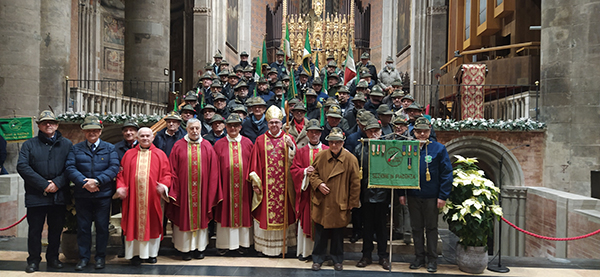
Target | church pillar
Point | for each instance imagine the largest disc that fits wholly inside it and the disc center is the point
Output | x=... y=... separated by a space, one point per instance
x=203 y=49
x=147 y=24
x=55 y=31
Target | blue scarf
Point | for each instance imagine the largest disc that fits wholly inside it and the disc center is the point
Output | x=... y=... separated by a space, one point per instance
x=258 y=122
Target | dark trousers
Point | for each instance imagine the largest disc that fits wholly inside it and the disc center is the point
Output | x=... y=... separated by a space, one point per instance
x=357 y=222
x=374 y=219
x=424 y=220
x=322 y=236
x=36 y=216
x=88 y=210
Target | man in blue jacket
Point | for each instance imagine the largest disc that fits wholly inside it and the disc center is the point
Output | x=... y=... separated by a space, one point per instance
x=92 y=166
x=435 y=180
x=42 y=166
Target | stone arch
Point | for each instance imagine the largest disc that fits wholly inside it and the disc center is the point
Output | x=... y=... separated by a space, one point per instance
x=488 y=152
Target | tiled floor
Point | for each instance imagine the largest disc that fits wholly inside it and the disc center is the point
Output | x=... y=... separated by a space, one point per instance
x=13 y=254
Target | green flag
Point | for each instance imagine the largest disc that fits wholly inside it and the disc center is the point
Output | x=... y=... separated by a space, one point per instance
x=307 y=54
x=258 y=69
x=317 y=68
x=287 y=49
x=322 y=116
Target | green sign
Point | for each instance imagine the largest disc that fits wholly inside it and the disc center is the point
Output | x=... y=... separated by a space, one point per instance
x=17 y=128
x=394 y=164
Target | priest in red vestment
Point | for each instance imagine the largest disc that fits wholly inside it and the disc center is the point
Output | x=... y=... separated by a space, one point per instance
x=195 y=192
x=234 y=221
x=145 y=178
x=274 y=195
x=301 y=170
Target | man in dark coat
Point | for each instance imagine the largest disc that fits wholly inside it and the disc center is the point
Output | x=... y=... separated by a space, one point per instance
x=166 y=138
x=255 y=124
x=92 y=166
x=42 y=166
x=129 y=131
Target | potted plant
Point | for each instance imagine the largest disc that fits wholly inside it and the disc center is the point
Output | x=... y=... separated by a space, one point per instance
x=68 y=243
x=470 y=212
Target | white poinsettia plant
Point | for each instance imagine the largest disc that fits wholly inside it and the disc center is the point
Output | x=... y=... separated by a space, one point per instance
x=472 y=206
x=117 y=118
x=520 y=124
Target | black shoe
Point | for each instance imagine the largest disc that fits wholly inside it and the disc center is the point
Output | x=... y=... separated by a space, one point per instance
x=136 y=261
x=32 y=267
x=121 y=253
x=198 y=255
x=432 y=267
x=417 y=263
x=55 y=264
x=385 y=263
x=222 y=252
x=80 y=265
x=151 y=260
x=304 y=259
x=100 y=263
x=187 y=256
x=364 y=262
x=355 y=238
x=243 y=250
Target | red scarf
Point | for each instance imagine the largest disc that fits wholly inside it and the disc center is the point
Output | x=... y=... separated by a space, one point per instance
x=299 y=125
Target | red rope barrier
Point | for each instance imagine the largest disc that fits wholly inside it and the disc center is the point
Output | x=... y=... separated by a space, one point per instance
x=14 y=224
x=549 y=238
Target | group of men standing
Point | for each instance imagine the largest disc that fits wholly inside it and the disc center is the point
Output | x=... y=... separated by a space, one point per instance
x=262 y=182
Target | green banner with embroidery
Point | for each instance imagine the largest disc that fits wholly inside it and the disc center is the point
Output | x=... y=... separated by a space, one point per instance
x=394 y=164
x=17 y=128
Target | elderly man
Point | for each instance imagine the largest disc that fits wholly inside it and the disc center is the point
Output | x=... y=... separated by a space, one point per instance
x=262 y=90
x=273 y=203
x=415 y=111
x=389 y=74
x=333 y=119
x=166 y=138
x=301 y=170
x=335 y=188
x=435 y=181
x=240 y=94
x=256 y=124
x=313 y=107
x=218 y=58
x=384 y=114
x=375 y=98
x=194 y=193
x=297 y=125
x=279 y=64
x=207 y=114
x=187 y=112
x=344 y=100
x=218 y=131
x=365 y=61
x=234 y=222
x=92 y=165
x=220 y=103
x=359 y=102
x=243 y=59
x=278 y=97
x=42 y=166
x=144 y=180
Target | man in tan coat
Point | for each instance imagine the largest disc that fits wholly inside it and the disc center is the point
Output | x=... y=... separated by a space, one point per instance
x=335 y=182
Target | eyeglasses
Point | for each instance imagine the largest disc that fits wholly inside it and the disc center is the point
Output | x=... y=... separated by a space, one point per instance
x=48 y=123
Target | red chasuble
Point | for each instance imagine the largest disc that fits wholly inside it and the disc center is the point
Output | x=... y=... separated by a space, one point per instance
x=267 y=161
x=142 y=214
x=196 y=185
x=303 y=159
x=234 y=161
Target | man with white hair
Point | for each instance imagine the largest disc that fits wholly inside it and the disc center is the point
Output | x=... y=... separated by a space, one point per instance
x=144 y=180
x=195 y=192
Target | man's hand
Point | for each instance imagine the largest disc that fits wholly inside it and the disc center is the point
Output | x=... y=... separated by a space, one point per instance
x=402 y=200
x=324 y=189
x=256 y=189
x=441 y=203
x=122 y=193
x=51 y=188
x=90 y=185
x=162 y=192
x=288 y=141
x=309 y=170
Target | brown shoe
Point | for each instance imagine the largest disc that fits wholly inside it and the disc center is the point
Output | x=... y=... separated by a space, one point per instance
x=316 y=267
x=385 y=263
x=338 y=267
x=364 y=262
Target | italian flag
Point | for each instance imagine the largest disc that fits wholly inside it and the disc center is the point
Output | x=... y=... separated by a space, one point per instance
x=350 y=68
x=287 y=49
x=307 y=55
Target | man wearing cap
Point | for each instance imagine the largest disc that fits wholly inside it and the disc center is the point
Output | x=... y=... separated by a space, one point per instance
x=187 y=112
x=384 y=114
x=243 y=59
x=313 y=107
x=234 y=221
x=223 y=76
x=218 y=131
x=41 y=164
x=366 y=62
x=405 y=101
x=375 y=203
x=303 y=84
x=298 y=124
x=240 y=110
x=262 y=89
x=273 y=201
x=240 y=94
x=224 y=65
x=333 y=81
x=204 y=85
x=396 y=102
x=278 y=95
x=190 y=98
x=343 y=97
x=272 y=78
x=317 y=85
x=207 y=114
x=362 y=87
x=396 y=86
x=249 y=77
x=435 y=182
x=359 y=102
x=333 y=118
x=388 y=74
x=414 y=111
x=166 y=138
x=301 y=169
x=285 y=79
x=92 y=166
x=220 y=103
x=195 y=191
x=256 y=124
x=335 y=189
x=232 y=81
x=279 y=64
x=375 y=98
x=218 y=58
x=143 y=181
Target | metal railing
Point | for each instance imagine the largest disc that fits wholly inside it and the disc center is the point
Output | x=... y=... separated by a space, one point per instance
x=501 y=102
x=119 y=96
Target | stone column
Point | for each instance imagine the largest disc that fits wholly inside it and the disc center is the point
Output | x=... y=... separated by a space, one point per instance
x=55 y=31
x=202 y=35
x=147 y=47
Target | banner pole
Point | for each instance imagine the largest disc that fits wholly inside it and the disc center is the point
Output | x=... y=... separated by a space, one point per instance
x=391 y=228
